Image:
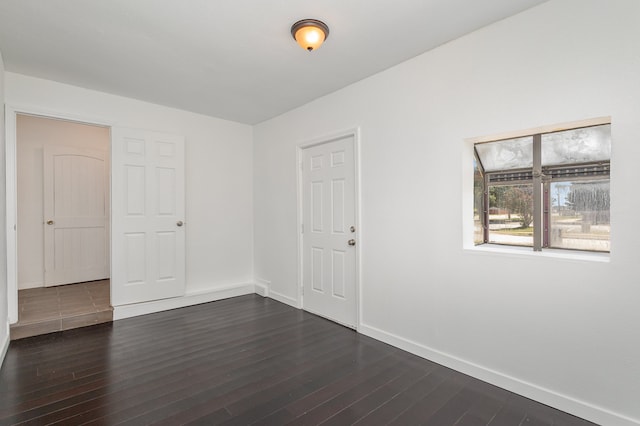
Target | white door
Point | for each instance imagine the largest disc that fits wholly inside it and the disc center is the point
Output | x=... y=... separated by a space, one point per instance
x=148 y=237
x=329 y=234
x=75 y=215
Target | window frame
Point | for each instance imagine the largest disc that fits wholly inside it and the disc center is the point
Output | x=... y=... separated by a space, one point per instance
x=541 y=177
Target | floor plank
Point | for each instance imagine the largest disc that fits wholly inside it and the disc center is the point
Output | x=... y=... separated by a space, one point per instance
x=245 y=360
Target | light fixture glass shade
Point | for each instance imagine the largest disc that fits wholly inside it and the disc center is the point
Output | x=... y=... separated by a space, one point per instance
x=310 y=33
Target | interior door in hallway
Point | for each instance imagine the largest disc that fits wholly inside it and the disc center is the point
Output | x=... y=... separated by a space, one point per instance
x=148 y=237
x=329 y=234
x=75 y=214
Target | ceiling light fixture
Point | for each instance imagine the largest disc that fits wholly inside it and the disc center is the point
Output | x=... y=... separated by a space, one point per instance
x=310 y=33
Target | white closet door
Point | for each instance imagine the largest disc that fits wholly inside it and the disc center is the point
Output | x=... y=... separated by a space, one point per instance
x=148 y=236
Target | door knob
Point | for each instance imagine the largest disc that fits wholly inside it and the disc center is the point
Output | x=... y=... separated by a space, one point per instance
x=49 y=222
x=179 y=223
x=352 y=229
x=352 y=242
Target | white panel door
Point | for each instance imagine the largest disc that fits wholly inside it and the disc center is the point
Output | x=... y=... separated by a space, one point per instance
x=75 y=215
x=329 y=235
x=148 y=236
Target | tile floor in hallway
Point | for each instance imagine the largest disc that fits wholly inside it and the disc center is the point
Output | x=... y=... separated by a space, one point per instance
x=49 y=309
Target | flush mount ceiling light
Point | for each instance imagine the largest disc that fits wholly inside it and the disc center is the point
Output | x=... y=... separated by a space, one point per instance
x=310 y=33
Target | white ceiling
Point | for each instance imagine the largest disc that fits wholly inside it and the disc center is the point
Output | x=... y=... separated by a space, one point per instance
x=233 y=59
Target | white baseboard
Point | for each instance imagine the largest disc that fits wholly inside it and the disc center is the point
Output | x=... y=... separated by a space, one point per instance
x=262 y=287
x=4 y=344
x=284 y=299
x=194 y=298
x=25 y=286
x=565 y=403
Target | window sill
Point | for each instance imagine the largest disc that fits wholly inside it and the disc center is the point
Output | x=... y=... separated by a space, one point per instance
x=546 y=253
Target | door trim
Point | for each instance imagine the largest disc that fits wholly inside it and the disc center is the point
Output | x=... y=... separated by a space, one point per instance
x=11 y=210
x=355 y=134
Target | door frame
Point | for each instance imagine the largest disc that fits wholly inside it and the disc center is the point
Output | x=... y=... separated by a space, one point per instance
x=355 y=134
x=11 y=212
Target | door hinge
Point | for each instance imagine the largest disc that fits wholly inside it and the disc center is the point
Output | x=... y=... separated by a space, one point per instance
x=302 y=228
x=301 y=165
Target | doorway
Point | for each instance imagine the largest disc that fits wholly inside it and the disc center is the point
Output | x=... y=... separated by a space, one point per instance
x=62 y=226
x=329 y=229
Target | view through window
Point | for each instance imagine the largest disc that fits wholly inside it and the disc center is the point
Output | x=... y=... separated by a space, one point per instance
x=548 y=190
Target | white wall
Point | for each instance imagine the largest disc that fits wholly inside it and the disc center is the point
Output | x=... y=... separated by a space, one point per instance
x=564 y=332
x=33 y=134
x=218 y=171
x=4 y=315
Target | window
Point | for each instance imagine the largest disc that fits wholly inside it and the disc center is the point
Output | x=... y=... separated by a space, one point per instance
x=547 y=190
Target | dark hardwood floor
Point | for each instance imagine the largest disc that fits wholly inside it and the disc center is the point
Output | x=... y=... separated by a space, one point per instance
x=246 y=360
